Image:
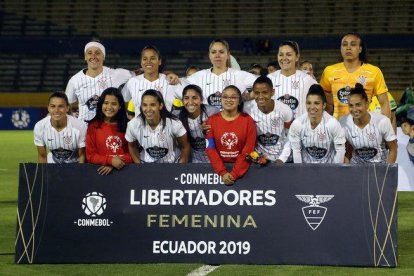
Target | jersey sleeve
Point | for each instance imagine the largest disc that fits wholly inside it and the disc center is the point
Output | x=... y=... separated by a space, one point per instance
x=82 y=133
x=178 y=128
x=38 y=139
x=324 y=82
x=129 y=134
x=248 y=80
x=339 y=141
x=241 y=166
x=126 y=92
x=380 y=86
x=70 y=91
x=295 y=143
x=386 y=129
x=121 y=76
x=211 y=151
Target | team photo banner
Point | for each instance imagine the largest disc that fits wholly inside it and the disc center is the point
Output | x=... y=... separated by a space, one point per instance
x=165 y=213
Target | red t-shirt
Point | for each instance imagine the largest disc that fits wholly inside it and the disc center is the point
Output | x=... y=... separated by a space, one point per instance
x=229 y=142
x=104 y=142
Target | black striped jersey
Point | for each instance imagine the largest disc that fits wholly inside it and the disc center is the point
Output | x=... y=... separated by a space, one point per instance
x=86 y=90
x=292 y=90
x=318 y=145
x=271 y=131
x=63 y=146
x=136 y=86
x=213 y=85
x=159 y=144
x=369 y=142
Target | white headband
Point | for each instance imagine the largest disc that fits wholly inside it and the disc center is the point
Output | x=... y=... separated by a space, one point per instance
x=97 y=45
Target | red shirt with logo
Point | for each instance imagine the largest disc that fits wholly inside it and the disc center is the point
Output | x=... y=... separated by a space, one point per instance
x=230 y=142
x=104 y=141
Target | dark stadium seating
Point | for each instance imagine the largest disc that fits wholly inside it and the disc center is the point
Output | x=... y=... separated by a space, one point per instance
x=194 y=20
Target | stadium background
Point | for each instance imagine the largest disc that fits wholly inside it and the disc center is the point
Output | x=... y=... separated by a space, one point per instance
x=41 y=46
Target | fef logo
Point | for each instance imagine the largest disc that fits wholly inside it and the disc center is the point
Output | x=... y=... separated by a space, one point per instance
x=314 y=214
x=94 y=204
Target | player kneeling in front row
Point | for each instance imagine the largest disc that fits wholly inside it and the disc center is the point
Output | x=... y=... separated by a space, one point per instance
x=370 y=136
x=62 y=134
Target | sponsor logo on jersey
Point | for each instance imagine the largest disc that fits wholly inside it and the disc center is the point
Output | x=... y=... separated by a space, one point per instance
x=214 y=99
x=343 y=94
x=316 y=152
x=92 y=102
x=268 y=139
x=60 y=155
x=314 y=213
x=114 y=143
x=229 y=139
x=93 y=205
x=157 y=152
x=366 y=153
x=198 y=144
x=289 y=100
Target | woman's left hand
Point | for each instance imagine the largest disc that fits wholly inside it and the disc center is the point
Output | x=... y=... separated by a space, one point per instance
x=104 y=170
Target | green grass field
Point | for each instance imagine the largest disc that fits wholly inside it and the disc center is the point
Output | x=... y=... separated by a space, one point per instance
x=17 y=147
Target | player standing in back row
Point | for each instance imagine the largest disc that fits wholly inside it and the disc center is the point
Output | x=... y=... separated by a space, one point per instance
x=213 y=80
x=88 y=84
x=290 y=84
x=338 y=79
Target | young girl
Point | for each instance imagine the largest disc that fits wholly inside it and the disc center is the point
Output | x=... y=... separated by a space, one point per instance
x=193 y=116
x=370 y=136
x=63 y=135
x=316 y=136
x=232 y=136
x=156 y=130
x=105 y=139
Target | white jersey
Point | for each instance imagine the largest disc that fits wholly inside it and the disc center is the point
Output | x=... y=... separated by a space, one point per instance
x=369 y=142
x=86 y=90
x=213 y=85
x=198 y=143
x=271 y=131
x=318 y=145
x=159 y=143
x=136 y=86
x=292 y=90
x=63 y=146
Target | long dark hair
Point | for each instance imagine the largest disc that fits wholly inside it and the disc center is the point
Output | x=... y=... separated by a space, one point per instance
x=183 y=116
x=363 y=55
x=164 y=113
x=241 y=103
x=121 y=117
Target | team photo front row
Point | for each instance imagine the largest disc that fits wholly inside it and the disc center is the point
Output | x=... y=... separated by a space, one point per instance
x=243 y=130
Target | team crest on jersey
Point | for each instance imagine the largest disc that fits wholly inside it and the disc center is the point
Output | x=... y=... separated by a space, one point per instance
x=92 y=102
x=229 y=139
x=268 y=139
x=362 y=80
x=67 y=140
x=157 y=152
x=198 y=144
x=321 y=136
x=226 y=83
x=366 y=153
x=295 y=84
x=102 y=83
x=316 y=152
x=161 y=136
x=60 y=155
x=159 y=88
x=289 y=100
x=275 y=122
x=371 y=136
x=214 y=99
x=113 y=143
x=343 y=94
